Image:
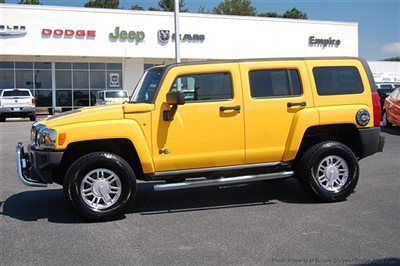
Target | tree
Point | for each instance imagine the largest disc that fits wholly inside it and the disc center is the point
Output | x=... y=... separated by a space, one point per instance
x=168 y=5
x=395 y=59
x=153 y=9
x=269 y=14
x=137 y=7
x=29 y=2
x=113 y=4
x=2 y=1
x=235 y=7
x=295 y=14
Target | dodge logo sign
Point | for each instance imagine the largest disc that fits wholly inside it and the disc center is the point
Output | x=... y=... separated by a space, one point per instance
x=163 y=36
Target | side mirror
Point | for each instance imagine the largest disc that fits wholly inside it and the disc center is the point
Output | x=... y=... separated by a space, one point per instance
x=175 y=98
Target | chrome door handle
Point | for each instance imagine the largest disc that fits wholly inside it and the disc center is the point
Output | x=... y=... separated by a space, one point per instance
x=301 y=104
x=226 y=108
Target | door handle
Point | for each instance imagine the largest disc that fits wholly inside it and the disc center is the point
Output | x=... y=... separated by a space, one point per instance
x=301 y=104
x=226 y=108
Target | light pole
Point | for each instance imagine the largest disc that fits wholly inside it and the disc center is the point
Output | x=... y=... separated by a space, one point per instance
x=177 y=35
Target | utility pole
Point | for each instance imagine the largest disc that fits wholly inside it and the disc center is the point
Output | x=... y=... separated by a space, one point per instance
x=177 y=35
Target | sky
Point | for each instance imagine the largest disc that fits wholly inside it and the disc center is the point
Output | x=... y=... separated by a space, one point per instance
x=379 y=20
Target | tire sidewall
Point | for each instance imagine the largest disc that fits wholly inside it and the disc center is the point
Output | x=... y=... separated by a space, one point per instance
x=87 y=163
x=336 y=149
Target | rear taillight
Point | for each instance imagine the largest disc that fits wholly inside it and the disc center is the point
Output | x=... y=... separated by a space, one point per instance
x=377 y=109
x=33 y=101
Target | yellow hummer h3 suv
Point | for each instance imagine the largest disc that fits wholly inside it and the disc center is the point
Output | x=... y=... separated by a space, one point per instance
x=209 y=123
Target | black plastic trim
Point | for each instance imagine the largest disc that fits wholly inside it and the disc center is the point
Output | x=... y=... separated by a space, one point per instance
x=371 y=141
x=43 y=164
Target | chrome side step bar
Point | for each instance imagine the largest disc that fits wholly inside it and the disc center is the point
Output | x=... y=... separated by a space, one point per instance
x=222 y=181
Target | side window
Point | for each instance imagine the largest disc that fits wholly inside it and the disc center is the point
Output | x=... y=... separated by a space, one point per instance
x=395 y=94
x=204 y=87
x=274 y=82
x=338 y=80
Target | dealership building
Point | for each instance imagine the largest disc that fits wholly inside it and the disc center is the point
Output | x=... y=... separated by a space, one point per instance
x=65 y=55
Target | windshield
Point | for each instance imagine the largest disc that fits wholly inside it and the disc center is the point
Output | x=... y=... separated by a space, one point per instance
x=147 y=85
x=16 y=93
x=116 y=94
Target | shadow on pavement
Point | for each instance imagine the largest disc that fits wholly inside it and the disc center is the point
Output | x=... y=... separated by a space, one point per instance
x=392 y=130
x=50 y=204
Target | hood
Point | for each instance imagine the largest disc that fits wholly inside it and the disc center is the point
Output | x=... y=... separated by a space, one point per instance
x=94 y=113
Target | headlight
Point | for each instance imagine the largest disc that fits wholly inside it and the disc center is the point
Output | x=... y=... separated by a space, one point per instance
x=43 y=137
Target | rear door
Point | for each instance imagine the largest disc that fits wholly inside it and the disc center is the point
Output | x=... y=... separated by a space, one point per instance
x=273 y=91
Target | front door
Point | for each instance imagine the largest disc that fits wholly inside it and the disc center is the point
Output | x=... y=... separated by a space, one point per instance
x=208 y=130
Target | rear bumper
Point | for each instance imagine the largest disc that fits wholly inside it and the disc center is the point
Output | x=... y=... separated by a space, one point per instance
x=36 y=168
x=371 y=141
x=17 y=111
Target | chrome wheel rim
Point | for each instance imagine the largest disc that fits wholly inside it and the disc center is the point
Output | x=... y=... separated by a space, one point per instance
x=384 y=119
x=333 y=173
x=100 y=188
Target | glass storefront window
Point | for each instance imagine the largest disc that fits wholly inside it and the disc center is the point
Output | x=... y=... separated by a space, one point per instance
x=97 y=79
x=24 y=65
x=43 y=98
x=98 y=66
x=24 y=79
x=6 y=79
x=63 y=79
x=42 y=79
x=42 y=65
x=81 y=98
x=64 y=97
x=81 y=79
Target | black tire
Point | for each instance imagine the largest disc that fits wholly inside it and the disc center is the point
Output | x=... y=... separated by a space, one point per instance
x=2 y=118
x=105 y=160
x=32 y=117
x=385 y=121
x=307 y=167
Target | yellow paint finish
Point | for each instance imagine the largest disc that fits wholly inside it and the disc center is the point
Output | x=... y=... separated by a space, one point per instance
x=303 y=120
x=110 y=129
x=200 y=135
x=268 y=120
x=345 y=114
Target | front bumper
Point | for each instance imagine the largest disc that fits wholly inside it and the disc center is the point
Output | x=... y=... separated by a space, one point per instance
x=36 y=168
x=371 y=141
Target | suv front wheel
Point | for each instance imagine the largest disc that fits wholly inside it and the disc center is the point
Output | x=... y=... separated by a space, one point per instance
x=99 y=186
x=328 y=171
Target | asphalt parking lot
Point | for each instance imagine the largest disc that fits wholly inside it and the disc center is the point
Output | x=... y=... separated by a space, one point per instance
x=261 y=223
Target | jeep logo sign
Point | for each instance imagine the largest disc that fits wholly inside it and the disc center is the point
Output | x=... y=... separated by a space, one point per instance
x=123 y=35
x=329 y=42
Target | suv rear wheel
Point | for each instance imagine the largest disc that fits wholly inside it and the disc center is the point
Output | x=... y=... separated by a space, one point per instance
x=328 y=171
x=99 y=186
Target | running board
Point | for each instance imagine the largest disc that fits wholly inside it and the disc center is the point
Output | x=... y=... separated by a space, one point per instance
x=222 y=181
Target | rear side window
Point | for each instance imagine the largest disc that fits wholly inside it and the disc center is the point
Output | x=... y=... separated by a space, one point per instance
x=274 y=83
x=395 y=94
x=16 y=93
x=204 y=87
x=338 y=80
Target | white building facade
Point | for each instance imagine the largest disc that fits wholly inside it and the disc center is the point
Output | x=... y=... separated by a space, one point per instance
x=65 y=55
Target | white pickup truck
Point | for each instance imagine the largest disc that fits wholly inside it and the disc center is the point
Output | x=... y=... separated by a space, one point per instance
x=17 y=103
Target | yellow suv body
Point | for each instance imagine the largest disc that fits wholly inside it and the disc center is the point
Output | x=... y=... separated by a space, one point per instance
x=228 y=121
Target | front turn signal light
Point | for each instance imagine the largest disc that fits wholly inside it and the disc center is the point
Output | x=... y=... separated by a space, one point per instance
x=61 y=138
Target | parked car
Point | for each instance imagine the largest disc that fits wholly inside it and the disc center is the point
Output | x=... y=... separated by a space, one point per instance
x=391 y=109
x=111 y=96
x=384 y=90
x=245 y=120
x=17 y=103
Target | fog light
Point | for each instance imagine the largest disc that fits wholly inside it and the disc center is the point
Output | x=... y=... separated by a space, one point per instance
x=363 y=117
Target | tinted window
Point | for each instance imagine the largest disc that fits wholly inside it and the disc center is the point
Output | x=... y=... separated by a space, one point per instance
x=387 y=86
x=274 y=82
x=16 y=93
x=394 y=94
x=146 y=88
x=337 y=80
x=204 y=87
x=116 y=94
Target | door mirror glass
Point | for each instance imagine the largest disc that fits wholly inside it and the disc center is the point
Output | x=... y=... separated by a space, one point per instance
x=175 y=98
